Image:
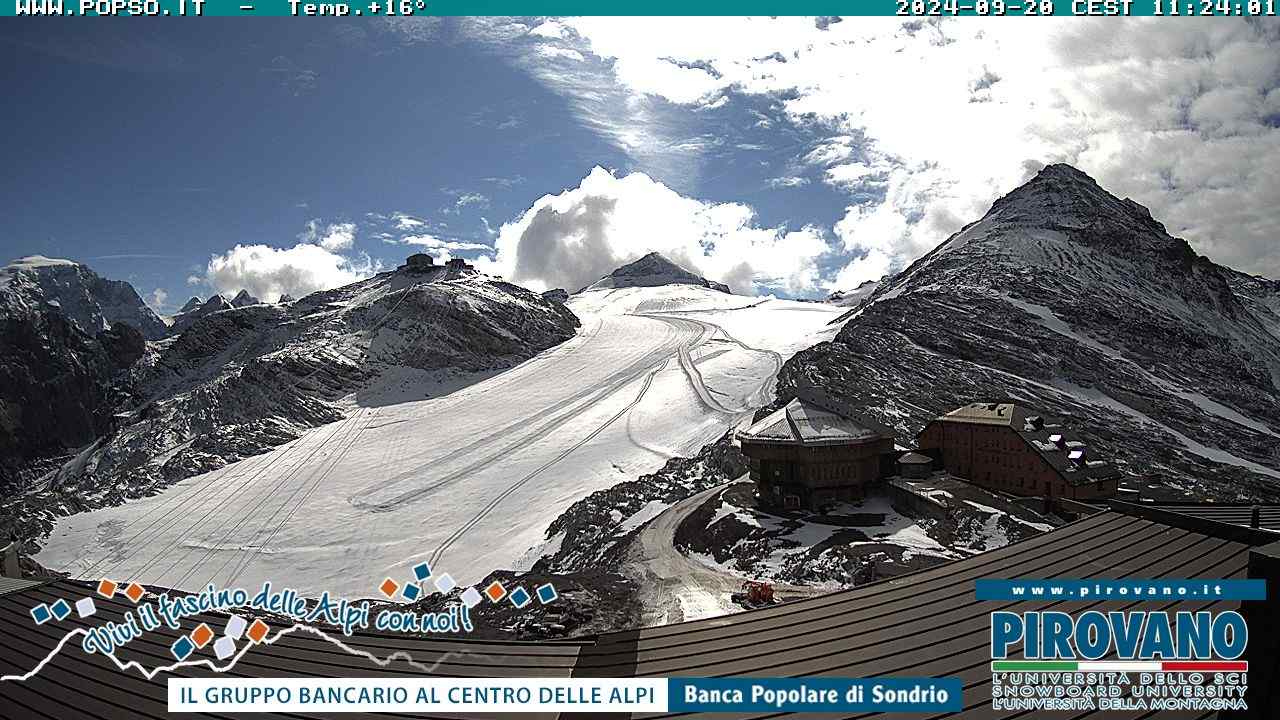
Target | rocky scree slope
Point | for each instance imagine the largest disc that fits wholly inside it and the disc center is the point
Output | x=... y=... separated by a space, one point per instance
x=1073 y=301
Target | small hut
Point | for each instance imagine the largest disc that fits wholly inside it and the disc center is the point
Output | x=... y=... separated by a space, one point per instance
x=915 y=465
x=419 y=262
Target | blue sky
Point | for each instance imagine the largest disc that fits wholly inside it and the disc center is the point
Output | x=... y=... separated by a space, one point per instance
x=791 y=156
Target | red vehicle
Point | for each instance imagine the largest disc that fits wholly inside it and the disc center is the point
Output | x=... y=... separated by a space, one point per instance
x=754 y=594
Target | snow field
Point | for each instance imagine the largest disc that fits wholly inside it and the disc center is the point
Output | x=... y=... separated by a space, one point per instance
x=467 y=476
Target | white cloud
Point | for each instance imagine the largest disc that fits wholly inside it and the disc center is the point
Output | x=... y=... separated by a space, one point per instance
x=339 y=236
x=431 y=241
x=850 y=175
x=158 y=299
x=552 y=51
x=332 y=237
x=471 y=198
x=788 y=181
x=1181 y=117
x=268 y=272
x=463 y=199
x=643 y=127
x=405 y=221
x=872 y=266
x=549 y=29
x=831 y=151
x=572 y=239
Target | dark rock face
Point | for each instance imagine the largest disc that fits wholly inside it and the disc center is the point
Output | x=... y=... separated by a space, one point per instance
x=1068 y=299
x=61 y=361
x=653 y=270
x=53 y=389
x=123 y=344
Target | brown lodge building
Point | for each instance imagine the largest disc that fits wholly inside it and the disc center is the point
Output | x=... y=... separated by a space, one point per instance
x=815 y=450
x=1005 y=447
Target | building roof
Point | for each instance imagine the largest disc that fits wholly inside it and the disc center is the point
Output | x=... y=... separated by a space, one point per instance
x=926 y=624
x=982 y=413
x=915 y=458
x=8 y=584
x=807 y=422
x=1230 y=513
x=1062 y=449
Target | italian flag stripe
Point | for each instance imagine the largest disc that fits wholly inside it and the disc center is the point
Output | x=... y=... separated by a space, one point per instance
x=1119 y=666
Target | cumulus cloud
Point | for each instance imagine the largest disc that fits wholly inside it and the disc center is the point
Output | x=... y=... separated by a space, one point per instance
x=850 y=175
x=158 y=299
x=268 y=272
x=339 y=237
x=573 y=239
x=333 y=237
x=1181 y=117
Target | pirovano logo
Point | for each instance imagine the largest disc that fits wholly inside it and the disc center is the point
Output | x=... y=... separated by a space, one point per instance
x=1122 y=660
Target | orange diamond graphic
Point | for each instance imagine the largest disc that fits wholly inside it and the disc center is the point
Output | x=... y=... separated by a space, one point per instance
x=258 y=630
x=495 y=591
x=201 y=635
x=389 y=587
x=106 y=588
x=134 y=592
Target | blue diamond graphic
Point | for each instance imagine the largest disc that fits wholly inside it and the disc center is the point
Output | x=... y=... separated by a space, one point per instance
x=182 y=648
x=422 y=571
x=520 y=597
x=60 y=609
x=40 y=614
x=547 y=593
x=411 y=591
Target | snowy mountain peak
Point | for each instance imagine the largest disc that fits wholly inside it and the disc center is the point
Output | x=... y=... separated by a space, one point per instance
x=32 y=262
x=215 y=303
x=90 y=301
x=650 y=271
x=1061 y=196
x=194 y=309
x=243 y=298
x=1078 y=303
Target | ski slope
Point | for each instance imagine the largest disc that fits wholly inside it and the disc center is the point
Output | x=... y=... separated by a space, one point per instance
x=467 y=481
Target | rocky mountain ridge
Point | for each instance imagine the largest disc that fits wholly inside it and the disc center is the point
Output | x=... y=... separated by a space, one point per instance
x=1069 y=299
x=92 y=302
x=66 y=337
x=238 y=381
